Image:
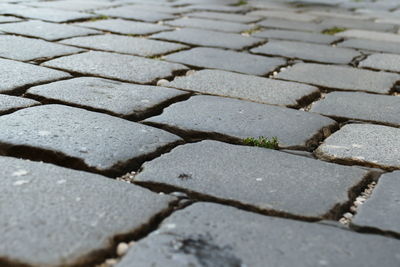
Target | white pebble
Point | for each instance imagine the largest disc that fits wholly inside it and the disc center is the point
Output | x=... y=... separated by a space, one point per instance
x=162 y=82
x=122 y=248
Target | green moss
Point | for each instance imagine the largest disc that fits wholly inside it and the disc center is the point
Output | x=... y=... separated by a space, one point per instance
x=333 y=30
x=262 y=141
x=252 y=30
x=240 y=3
x=102 y=17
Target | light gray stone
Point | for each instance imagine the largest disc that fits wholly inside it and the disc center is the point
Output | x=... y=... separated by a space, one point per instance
x=341 y=77
x=227 y=60
x=262 y=179
x=253 y=88
x=215 y=7
x=356 y=24
x=80 y=139
x=365 y=144
x=370 y=35
x=122 y=67
x=206 y=234
x=79 y=213
x=73 y=5
x=11 y=103
x=389 y=62
x=131 y=12
x=208 y=24
x=7 y=19
x=283 y=14
x=232 y=119
x=224 y=16
x=276 y=23
x=297 y=36
x=380 y=46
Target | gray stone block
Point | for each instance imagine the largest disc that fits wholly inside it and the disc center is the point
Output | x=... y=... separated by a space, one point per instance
x=224 y=16
x=370 y=35
x=297 y=36
x=356 y=24
x=6 y=19
x=387 y=62
x=11 y=103
x=208 y=24
x=276 y=23
x=283 y=14
x=73 y=5
x=131 y=12
x=380 y=46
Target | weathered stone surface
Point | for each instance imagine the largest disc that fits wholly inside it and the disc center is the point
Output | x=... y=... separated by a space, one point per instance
x=124 y=26
x=81 y=139
x=387 y=62
x=283 y=14
x=380 y=46
x=263 y=179
x=206 y=234
x=74 y=5
x=253 y=88
x=131 y=12
x=225 y=118
x=122 y=99
x=360 y=106
x=382 y=210
x=366 y=144
x=15 y=75
x=307 y=51
x=224 y=16
x=276 y=23
x=208 y=38
x=356 y=24
x=11 y=103
x=5 y=19
x=42 y=200
x=45 y=30
x=208 y=24
x=341 y=78
x=21 y=48
x=297 y=36
x=122 y=67
x=215 y=7
x=370 y=35
x=125 y=44
x=227 y=60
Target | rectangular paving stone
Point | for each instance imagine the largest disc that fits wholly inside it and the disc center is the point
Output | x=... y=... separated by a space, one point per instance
x=360 y=106
x=380 y=46
x=365 y=144
x=7 y=19
x=131 y=12
x=261 y=179
x=283 y=14
x=124 y=26
x=73 y=5
x=276 y=23
x=125 y=44
x=388 y=62
x=307 y=51
x=80 y=139
x=370 y=35
x=381 y=211
x=356 y=24
x=122 y=99
x=121 y=67
x=9 y=104
x=45 y=30
x=76 y=212
x=227 y=60
x=216 y=7
x=206 y=234
x=234 y=120
x=297 y=36
x=253 y=88
x=341 y=77
x=208 y=24
x=224 y=16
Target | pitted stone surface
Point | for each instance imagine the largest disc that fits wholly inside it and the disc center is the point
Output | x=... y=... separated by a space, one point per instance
x=380 y=46
x=356 y=24
x=122 y=67
x=215 y=7
x=206 y=234
x=79 y=213
x=74 y=5
x=208 y=24
x=200 y=37
x=276 y=23
x=125 y=44
x=341 y=78
x=6 y=19
x=11 y=103
x=360 y=106
x=92 y=141
x=227 y=60
x=234 y=119
x=224 y=16
x=124 y=26
x=122 y=99
x=283 y=14
x=131 y=12
x=382 y=210
x=297 y=36
x=264 y=179
x=387 y=62
x=15 y=75
x=365 y=144
x=370 y=35
x=307 y=51
x=21 y=48
x=45 y=30
x=253 y=88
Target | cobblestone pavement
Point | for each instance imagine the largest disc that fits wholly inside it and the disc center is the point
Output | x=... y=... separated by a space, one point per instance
x=130 y=133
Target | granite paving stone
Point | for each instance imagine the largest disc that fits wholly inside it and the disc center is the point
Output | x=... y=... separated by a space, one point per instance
x=122 y=99
x=263 y=179
x=11 y=103
x=231 y=119
x=341 y=77
x=121 y=67
x=356 y=24
x=215 y=8
x=297 y=36
x=283 y=14
x=73 y=5
x=360 y=106
x=276 y=23
x=366 y=144
x=7 y=19
x=124 y=26
x=131 y=12
x=78 y=213
x=206 y=234
x=16 y=75
x=380 y=46
x=157 y=6
x=81 y=139
x=208 y=24
x=200 y=37
x=388 y=62
x=25 y=49
x=224 y=16
x=307 y=51
x=253 y=88
x=125 y=44
x=45 y=30
x=381 y=210
x=370 y=35
x=227 y=60
x=208 y=2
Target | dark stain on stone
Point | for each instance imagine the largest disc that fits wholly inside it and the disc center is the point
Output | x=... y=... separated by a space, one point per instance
x=185 y=176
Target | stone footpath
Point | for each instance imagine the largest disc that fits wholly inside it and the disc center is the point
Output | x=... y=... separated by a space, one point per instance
x=125 y=128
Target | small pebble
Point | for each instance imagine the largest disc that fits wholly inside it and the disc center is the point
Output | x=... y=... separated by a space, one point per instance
x=122 y=248
x=111 y=262
x=162 y=82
